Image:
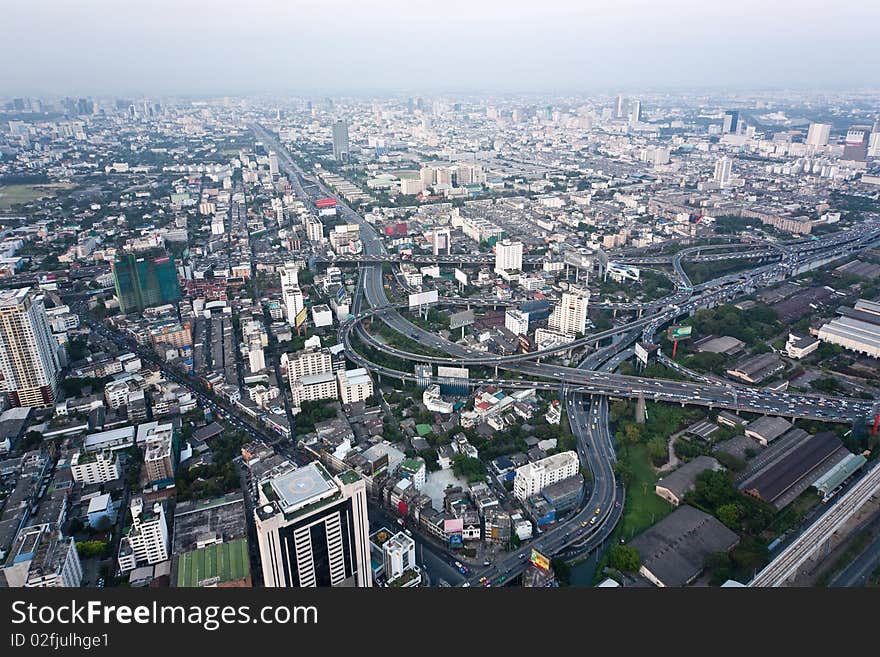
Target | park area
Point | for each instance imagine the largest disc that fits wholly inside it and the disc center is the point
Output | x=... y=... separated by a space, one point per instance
x=11 y=195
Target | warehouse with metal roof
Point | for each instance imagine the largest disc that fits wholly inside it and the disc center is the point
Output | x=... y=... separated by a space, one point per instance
x=838 y=474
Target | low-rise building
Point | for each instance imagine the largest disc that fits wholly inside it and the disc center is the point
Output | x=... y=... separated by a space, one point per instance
x=678 y=483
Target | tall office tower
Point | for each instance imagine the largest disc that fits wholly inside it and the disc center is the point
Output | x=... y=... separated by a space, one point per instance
x=442 y=241
x=818 y=134
x=856 y=145
x=312 y=528
x=874 y=145
x=508 y=256
x=143 y=281
x=29 y=364
x=273 y=163
x=731 y=122
x=427 y=175
x=340 y=141
x=570 y=314
x=314 y=230
x=289 y=274
x=293 y=299
x=723 y=171
x=635 y=112
x=620 y=112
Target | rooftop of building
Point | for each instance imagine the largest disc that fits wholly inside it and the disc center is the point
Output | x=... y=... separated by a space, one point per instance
x=214 y=564
x=297 y=488
x=674 y=549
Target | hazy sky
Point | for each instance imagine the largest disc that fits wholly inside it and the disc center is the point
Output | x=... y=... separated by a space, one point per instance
x=243 y=46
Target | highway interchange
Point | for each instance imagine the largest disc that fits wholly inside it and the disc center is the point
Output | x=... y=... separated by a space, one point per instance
x=585 y=389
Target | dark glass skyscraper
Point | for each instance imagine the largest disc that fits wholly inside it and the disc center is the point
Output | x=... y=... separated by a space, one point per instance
x=143 y=281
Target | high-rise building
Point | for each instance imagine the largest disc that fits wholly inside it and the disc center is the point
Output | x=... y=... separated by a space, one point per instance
x=314 y=230
x=158 y=444
x=146 y=540
x=508 y=256
x=42 y=557
x=723 y=171
x=29 y=364
x=427 y=175
x=874 y=144
x=90 y=468
x=313 y=528
x=143 y=281
x=570 y=314
x=273 y=163
x=307 y=362
x=340 y=141
x=517 y=322
x=855 y=147
x=291 y=292
x=534 y=477
x=818 y=134
x=620 y=110
x=354 y=385
x=442 y=241
x=635 y=112
x=731 y=122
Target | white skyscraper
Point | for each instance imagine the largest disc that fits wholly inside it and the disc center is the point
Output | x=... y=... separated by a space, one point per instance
x=273 y=163
x=508 y=256
x=635 y=112
x=314 y=230
x=723 y=171
x=292 y=295
x=570 y=314
x=313 y=529
x=442 y=241
x=516 y=322
x=29 y=363
x=818 y=134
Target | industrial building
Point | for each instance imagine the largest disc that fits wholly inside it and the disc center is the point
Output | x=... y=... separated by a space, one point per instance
x=673 y=552
x=791 y=466
x=857 y=328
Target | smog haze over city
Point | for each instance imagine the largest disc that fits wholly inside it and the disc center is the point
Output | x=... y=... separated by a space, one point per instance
x=428 y=295
x=222 y=46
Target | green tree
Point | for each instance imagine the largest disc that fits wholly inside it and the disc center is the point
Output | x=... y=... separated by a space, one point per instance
x=625 y=558
x=88 y=549
x=465 y=466
x=562 y=571
x=730 y=515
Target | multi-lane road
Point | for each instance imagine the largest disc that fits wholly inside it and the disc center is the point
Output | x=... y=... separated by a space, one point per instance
x=588 y=415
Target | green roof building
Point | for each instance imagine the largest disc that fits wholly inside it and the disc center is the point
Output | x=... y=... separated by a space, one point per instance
x=217 y=565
